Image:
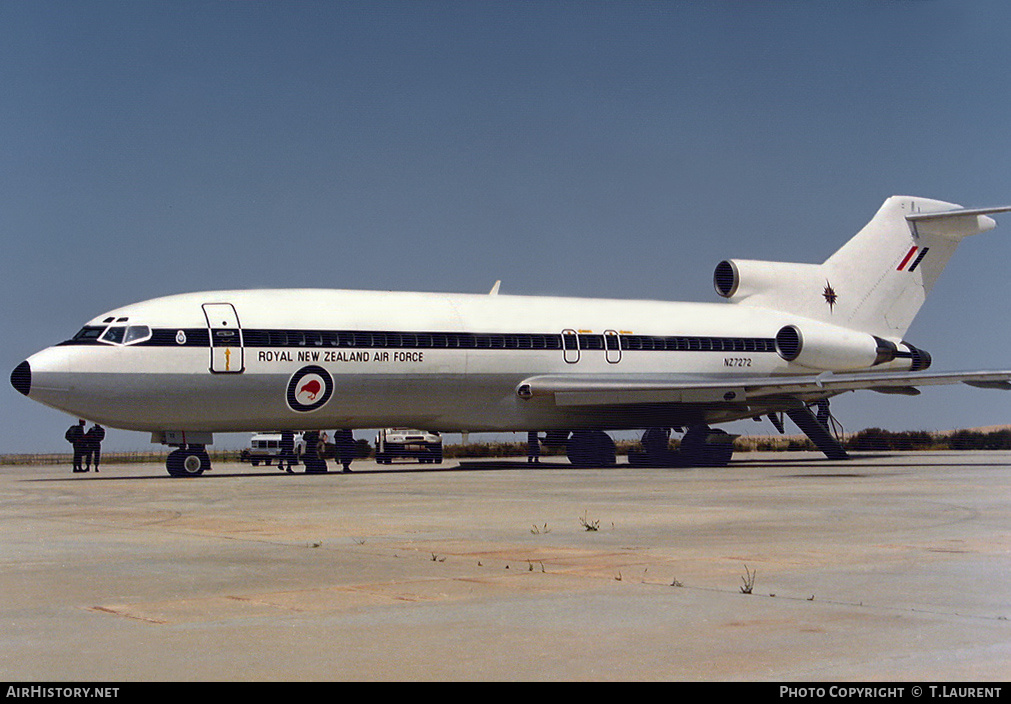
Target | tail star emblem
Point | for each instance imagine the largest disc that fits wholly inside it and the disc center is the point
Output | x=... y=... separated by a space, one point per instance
x=830 y=296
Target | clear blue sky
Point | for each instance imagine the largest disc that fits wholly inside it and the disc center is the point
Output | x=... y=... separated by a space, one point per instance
x=614 y=149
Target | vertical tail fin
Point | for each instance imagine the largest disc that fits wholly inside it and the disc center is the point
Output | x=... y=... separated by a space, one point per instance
x=876 y=282
x=882 y=276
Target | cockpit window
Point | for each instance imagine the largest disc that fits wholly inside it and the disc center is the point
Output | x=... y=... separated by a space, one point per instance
x=136 y=333
x=89 y=333
x=114 y=334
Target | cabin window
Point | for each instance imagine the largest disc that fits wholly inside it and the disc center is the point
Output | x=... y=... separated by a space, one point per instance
x=363 y=339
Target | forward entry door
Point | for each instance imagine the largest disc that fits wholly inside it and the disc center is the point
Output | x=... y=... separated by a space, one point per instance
x=226 y=338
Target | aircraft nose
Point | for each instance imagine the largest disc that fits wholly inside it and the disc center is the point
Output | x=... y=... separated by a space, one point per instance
x=21 y=377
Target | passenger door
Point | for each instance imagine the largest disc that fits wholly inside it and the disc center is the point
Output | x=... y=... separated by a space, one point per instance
x=570 y=346
x=226 y=338
x=612 y=346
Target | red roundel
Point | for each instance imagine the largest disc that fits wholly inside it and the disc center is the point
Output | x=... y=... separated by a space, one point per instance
x=309 y=388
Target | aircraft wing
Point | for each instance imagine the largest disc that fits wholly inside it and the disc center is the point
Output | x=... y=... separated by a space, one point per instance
x=622 y=389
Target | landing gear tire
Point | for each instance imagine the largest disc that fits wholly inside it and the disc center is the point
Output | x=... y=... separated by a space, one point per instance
x=703 y=446
x=591 y=448
x=191 y=462
x=656 y=450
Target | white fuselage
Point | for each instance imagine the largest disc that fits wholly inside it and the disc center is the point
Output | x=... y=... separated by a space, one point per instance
x=447 y=362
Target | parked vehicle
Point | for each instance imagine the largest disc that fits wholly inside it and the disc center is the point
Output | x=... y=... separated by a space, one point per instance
x=407 y=443
x=265 y=447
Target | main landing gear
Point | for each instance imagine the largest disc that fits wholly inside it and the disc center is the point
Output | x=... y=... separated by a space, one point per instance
x=701 y=446
x=188 y=461
x=590 y=448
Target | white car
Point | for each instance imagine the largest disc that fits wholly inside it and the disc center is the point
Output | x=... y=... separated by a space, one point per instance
x=265 y=447
x=407 y=443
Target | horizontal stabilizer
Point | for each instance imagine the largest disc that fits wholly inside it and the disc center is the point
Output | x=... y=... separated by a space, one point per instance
x=956 y=213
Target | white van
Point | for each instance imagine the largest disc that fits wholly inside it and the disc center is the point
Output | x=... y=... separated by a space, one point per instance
x=265 y=447
x=408 y=443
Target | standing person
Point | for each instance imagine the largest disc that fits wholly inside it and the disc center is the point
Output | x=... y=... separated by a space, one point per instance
x=314 y=464
x=75 y=436
x=345 y=448
x=93 y=444
x=533 y=448
x=287 y=448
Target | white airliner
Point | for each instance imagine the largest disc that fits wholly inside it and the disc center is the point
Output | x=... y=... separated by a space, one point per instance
x=790 y=337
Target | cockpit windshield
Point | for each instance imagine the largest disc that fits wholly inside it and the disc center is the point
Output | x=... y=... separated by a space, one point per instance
x=112 y=334
x=136 y=333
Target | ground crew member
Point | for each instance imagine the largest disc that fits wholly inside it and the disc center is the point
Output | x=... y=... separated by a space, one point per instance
x=314 y=464
x=345 y=440
x=287 y=448
x=93 y=445
x=75 y=436
x=533 y=448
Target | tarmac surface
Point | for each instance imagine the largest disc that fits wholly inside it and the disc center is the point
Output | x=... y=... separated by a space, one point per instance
x=893 y=567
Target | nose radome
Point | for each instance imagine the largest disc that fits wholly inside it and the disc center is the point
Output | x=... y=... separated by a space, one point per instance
x=21 y=377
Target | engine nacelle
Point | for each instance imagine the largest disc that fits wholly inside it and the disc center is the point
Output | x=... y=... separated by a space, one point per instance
x=830 y=348
x=737 y=279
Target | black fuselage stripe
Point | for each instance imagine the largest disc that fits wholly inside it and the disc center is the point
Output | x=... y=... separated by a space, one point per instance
x=376 y=339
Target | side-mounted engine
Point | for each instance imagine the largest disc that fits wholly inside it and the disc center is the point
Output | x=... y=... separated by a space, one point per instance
x=815 y=345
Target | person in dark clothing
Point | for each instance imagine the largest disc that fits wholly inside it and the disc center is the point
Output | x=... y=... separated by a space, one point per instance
x=93 y=446
x=287 y=448
x=533 y=448
x=314 y=464
x=75 y=436
x=345 y=448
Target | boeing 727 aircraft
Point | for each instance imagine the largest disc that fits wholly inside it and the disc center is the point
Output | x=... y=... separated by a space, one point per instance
x=789 y=337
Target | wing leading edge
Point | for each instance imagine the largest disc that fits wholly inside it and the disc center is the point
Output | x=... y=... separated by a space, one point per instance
x=618 y=390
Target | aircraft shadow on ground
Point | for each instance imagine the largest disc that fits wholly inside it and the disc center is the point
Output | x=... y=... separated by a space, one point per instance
x=478 y=465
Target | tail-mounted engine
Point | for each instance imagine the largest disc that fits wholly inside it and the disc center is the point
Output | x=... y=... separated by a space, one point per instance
x=739 y=279
x=802 y=290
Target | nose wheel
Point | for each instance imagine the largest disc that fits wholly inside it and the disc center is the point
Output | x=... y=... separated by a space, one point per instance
x=191 y=461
